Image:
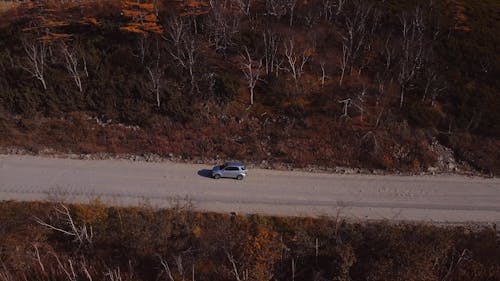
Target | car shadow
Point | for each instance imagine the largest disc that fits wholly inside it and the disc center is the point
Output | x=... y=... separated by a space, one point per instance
x=205 y=173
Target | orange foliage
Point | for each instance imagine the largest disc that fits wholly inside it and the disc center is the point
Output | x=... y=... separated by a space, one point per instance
x=142 y=18
x=51 y=37
x=54 y=23
x=459 y=14
x=264 y=248
x=191 y=8
x=91 y=213
x=89 y=20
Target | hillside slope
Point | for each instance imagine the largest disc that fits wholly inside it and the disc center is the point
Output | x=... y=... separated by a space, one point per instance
x=349 y=83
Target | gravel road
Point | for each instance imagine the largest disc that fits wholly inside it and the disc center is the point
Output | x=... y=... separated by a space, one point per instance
x=442 y=199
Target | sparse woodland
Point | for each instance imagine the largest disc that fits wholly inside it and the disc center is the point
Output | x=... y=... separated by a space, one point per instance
x=48 y=241
x=355 y=83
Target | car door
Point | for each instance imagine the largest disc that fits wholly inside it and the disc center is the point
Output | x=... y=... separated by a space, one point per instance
x=231 y=172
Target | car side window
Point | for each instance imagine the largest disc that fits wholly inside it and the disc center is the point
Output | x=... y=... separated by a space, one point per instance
x=232 y=169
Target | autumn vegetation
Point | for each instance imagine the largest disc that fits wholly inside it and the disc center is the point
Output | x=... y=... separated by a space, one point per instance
x=323 y=82
x=52 y=241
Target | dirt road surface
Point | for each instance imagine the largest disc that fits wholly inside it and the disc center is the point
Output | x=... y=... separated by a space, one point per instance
x=440 y=199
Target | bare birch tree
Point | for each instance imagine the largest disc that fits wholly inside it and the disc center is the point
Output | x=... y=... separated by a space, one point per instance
x=80 y=233
x=251 y=69
x=322 y=64
x=185 y=51
x=240 y=274
x=244 y=6
x=36 y=59
x=155 y=73
x=388 y=53
x=275 y=8
x=360 y=101
x=178 y=264
x=340 y=7
x=222 y=25
x=176 y=30
x=357 y=31
x=73 y=67
x=327 y=10
x=142 y=47
x=296 y=60
x=345 y=59
x=346 y=103
x=271 y=45
x=412 y=48
x=291 y=4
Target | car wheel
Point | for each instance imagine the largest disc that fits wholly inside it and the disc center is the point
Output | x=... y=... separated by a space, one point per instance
x=216 y=176
x=239 y=177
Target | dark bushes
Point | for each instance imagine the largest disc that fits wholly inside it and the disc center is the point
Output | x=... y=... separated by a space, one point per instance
x=145 y=244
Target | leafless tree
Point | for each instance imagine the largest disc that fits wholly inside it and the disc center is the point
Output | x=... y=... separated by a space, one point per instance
x=179 y=266
x=310 y=18
x=240 y=274
x=155 y=75
x=340 y=6
x=142 y=47
x=68 y=270
x=73 y=67
x=114 y=274
x=323 y=73
x=346 y=103
x=37 y=254
x=388 y=52
x=291 y=4
x=244 y=6
x=436 y=92
x=359 y=102
x=434 y=85
x=222 y=25
x=271 y=45
x=381 y=82
x=413 y=50
x=455 y=264
x=357 y=31
x=185 y=52
x=430 y=80
x=275 y=8
x=327 y=10
x=176 y=31
x=36 y=59
x=252 y=70
x=81 y=233
x=191 y=59
x=296 y=60
x=345 y=59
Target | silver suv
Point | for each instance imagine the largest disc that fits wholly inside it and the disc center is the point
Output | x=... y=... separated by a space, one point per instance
x=230 y=170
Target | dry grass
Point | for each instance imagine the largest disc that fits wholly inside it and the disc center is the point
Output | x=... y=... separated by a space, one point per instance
x=146 y=244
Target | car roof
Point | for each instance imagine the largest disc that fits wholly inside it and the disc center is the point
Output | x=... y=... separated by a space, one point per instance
x=234 y=164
